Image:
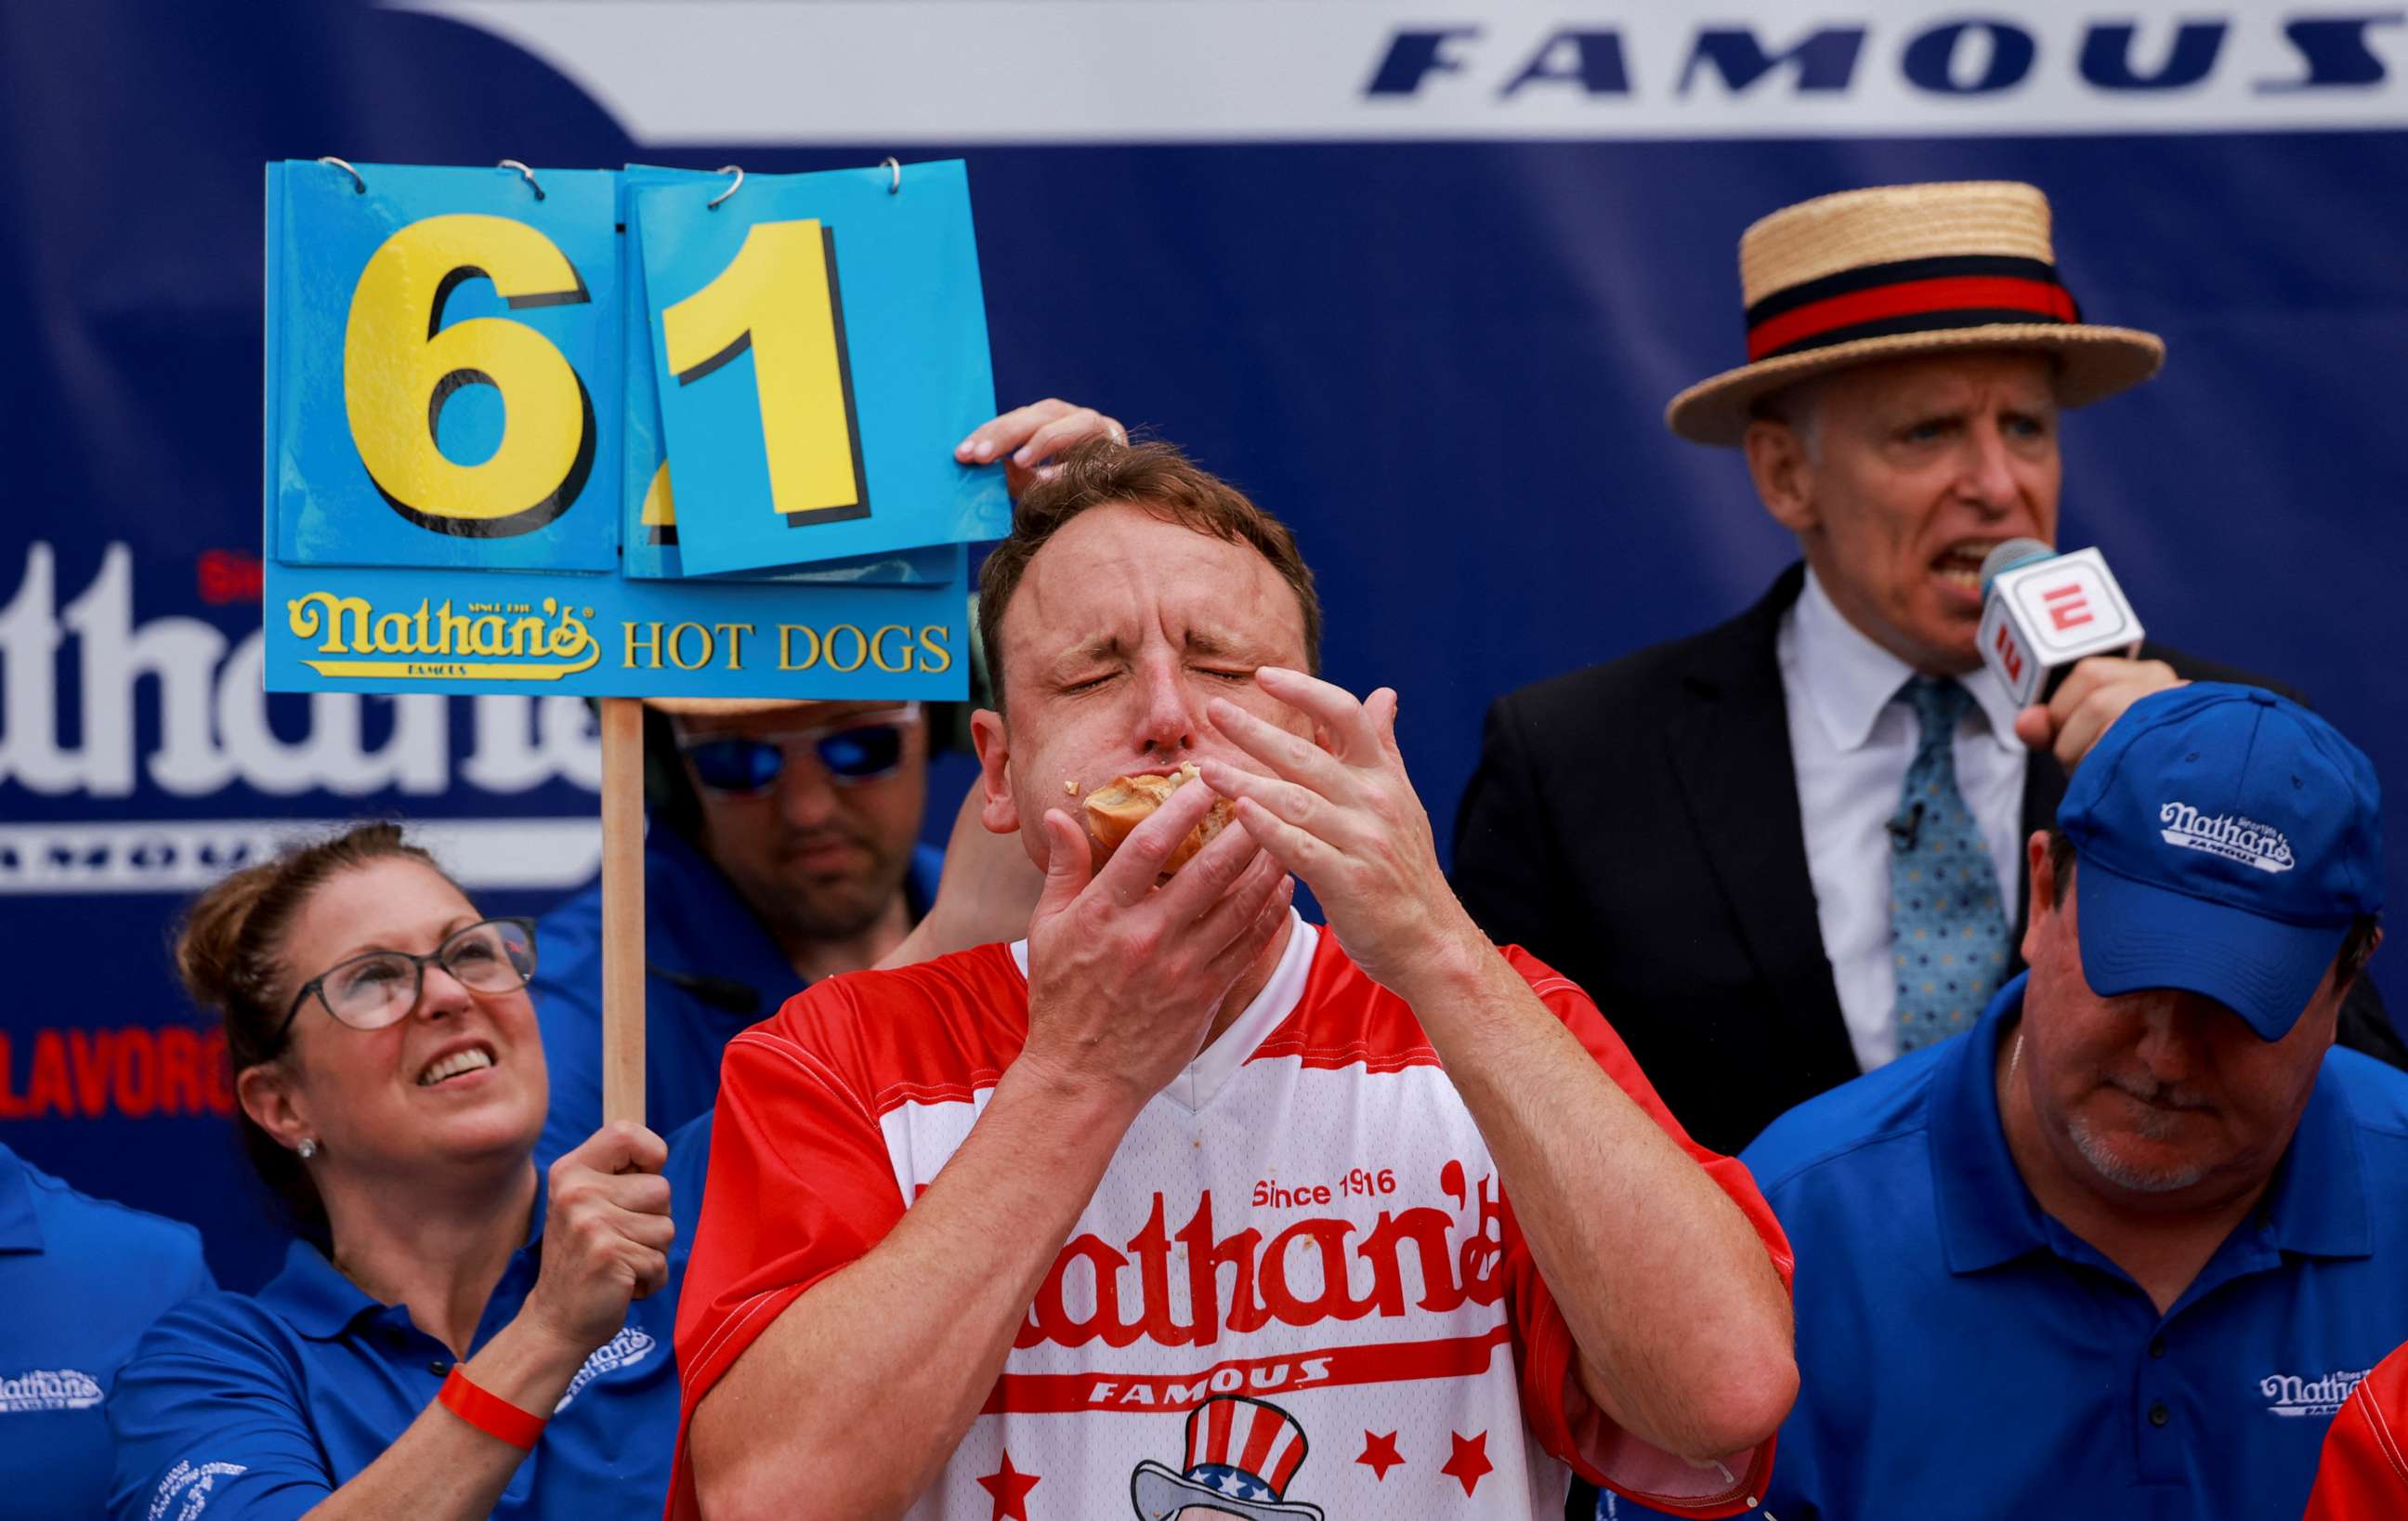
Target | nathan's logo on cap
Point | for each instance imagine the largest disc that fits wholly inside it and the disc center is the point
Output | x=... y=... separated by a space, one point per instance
x=2229 y=835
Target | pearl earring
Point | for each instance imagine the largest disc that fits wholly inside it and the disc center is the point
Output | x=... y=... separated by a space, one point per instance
x=308 y=1147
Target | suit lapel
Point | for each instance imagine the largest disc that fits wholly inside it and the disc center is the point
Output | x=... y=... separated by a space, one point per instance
x=1729 y=743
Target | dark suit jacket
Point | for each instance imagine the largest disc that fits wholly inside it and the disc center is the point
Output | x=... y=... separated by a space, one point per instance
x=1635 y=826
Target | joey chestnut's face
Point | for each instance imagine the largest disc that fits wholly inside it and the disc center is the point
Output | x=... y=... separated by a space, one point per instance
x=1122 y=629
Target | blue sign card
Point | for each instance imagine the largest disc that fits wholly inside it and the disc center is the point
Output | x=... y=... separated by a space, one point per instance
x=820 y=345
x=451 y=345
x=648 y=517
x=367 y=415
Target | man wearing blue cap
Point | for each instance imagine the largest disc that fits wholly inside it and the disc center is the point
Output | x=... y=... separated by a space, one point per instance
x=2122 y=1250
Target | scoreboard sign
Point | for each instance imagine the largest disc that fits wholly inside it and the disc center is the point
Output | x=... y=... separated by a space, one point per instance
x=477 y=382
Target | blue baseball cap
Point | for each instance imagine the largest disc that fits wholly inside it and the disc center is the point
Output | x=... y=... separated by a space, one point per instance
x=2227 y=839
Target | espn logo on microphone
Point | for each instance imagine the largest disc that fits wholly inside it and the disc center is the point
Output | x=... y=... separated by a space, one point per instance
x=2038 y=617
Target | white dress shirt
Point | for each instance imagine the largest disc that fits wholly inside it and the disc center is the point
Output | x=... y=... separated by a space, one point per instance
x=1850 y=738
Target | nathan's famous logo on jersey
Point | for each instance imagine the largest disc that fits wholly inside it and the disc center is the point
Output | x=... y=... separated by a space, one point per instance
x=1185 y=1286
x=498 y=641
x=2290 y=1394
x=43 y=1389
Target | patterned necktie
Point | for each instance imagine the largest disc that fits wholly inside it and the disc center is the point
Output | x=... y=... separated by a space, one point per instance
x=1946 y=931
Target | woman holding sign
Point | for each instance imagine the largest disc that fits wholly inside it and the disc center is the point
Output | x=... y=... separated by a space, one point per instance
x=454 y=1335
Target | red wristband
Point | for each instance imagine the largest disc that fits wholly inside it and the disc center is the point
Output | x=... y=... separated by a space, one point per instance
x=488 y=1412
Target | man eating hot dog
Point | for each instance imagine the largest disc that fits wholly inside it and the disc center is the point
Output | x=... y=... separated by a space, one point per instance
x=1184 y=1203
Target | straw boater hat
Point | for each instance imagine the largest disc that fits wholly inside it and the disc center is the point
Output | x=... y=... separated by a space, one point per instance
x=1906 y=270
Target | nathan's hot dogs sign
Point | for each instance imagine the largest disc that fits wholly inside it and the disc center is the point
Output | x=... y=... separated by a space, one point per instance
x=644 y=434
x=639 y=432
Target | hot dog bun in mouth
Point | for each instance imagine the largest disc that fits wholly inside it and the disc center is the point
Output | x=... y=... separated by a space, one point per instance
x=1125 y=802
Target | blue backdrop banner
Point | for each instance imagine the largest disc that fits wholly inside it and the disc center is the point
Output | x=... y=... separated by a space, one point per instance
x=1422 y=282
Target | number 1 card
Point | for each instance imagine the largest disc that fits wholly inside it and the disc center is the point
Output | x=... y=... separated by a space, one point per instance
x=820 y=345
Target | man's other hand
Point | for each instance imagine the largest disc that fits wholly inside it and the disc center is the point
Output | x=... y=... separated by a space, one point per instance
x=1027 y=439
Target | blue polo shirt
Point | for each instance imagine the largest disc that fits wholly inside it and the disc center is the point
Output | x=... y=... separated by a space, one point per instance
x=255 y=1407
x=81 y=1279
x=1960 y=1353
x=713 y=973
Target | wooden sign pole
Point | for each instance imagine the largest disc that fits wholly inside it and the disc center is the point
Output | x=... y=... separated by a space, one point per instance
x=623 y=908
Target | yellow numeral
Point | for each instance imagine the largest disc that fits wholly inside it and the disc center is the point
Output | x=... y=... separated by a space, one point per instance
x=778 y=298
x=400 y=365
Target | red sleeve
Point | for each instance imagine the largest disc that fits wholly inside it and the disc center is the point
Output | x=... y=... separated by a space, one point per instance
x=800 y=1184
x=1567 y=1424
x=2364 y=1474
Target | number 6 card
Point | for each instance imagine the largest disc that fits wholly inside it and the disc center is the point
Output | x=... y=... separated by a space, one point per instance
x=820 y=345
x=467 y=418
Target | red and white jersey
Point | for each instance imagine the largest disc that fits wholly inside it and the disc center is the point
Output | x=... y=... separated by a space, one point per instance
x=1297 y=1292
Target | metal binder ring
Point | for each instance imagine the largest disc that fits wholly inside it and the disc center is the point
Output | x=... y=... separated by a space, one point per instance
x=712 y=205
x=894 y=185
x=359 y=186
x=524 y=173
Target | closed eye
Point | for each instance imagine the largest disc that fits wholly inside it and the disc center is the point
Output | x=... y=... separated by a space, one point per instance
x=1227 y=675
x=1088 y=684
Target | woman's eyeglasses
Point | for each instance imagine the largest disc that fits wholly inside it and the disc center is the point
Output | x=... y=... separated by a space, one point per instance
x=868 y=749
x=380 y=988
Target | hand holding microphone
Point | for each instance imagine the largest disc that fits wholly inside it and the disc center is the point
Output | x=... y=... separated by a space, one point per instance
x=2057 y=632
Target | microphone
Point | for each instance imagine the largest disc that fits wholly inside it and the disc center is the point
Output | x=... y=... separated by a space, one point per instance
x=2043 y=611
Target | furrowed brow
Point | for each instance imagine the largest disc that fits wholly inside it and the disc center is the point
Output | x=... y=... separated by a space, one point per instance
x=1102 y=647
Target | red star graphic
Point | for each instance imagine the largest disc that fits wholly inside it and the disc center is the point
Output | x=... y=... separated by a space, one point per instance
x=1380 y=1454
x=1010 y=1491
x=1470 y=1464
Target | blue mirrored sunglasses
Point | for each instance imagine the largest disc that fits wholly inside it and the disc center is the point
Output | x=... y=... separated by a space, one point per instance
x=742 y=765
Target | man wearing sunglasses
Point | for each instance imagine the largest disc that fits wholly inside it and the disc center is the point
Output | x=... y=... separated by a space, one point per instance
x=784 y=848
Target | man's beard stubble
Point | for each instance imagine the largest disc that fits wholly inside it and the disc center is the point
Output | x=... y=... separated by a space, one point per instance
x=816 y=907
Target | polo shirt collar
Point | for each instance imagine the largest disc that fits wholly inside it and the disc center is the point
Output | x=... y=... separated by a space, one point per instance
x=312 y=1296
x=2315 y=1207
x=21 y=1229
x=1849 y=678
x=1987 y=1214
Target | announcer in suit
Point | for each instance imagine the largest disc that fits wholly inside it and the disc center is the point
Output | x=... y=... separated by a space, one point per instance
x=1786 y=850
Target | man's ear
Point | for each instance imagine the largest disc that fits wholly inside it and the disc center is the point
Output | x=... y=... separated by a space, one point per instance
x=997 y=812
x=1784 y=473
x=2043 y=890
x=268 y=1095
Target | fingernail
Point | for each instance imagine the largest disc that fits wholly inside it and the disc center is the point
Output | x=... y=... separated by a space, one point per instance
x=1021 y=456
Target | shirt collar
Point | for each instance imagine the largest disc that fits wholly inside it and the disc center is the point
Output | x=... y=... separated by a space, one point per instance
x=1849 y=678
x=2315 y=1207
x=1987 y=1214
x=20 y=1230
x=312 y=1296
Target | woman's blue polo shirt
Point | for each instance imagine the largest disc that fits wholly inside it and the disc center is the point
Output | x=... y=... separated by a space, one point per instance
x=255 y=1407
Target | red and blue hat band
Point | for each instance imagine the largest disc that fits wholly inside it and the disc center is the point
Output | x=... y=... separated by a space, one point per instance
x=1907 y=295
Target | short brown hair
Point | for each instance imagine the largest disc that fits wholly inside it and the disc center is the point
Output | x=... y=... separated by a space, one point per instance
x=230 y=951
x=1159 y=478
x=2357 y=942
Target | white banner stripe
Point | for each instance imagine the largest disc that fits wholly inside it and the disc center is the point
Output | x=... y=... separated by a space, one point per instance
x=183 y=856
x=904 y=72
